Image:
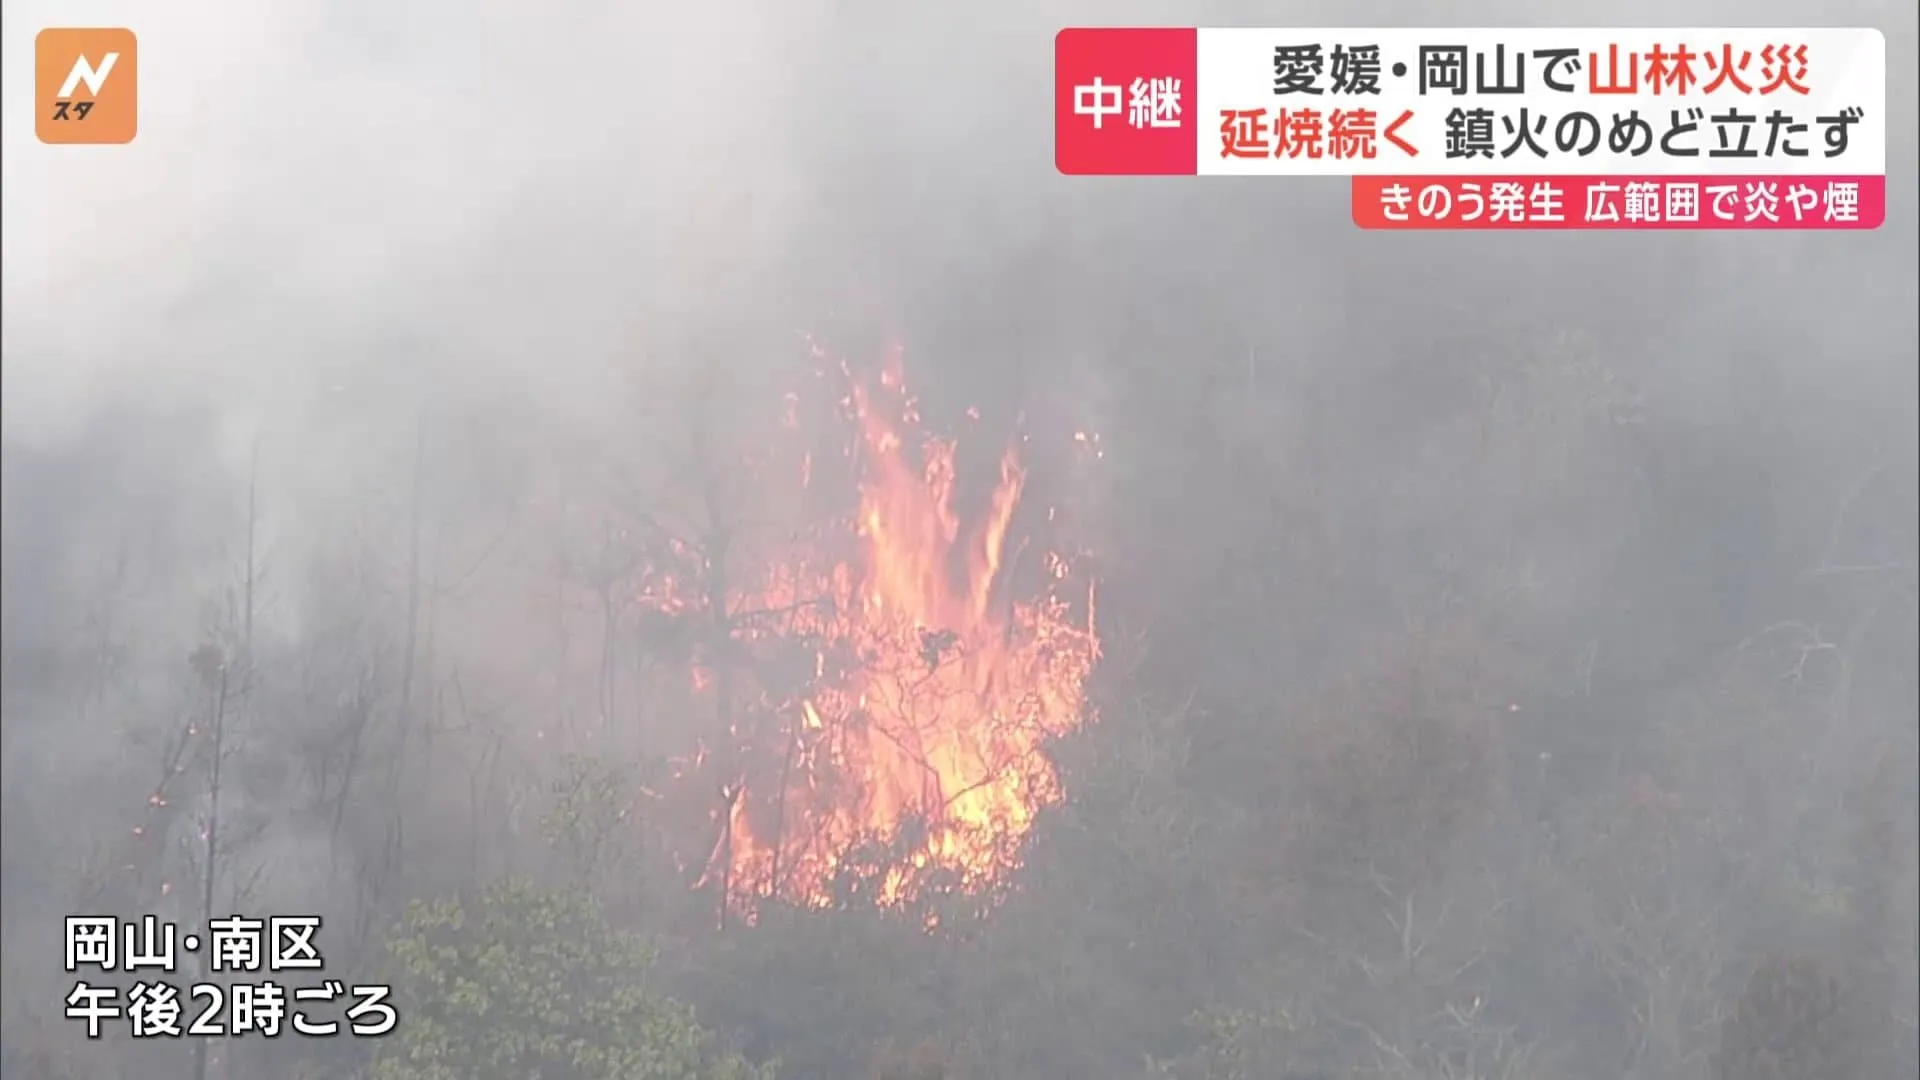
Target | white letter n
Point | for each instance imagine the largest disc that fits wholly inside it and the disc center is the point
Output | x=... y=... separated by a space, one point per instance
x=84 y=72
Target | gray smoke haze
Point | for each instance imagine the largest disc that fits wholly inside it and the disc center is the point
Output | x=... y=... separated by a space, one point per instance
x=516 y=202
x=506 y=240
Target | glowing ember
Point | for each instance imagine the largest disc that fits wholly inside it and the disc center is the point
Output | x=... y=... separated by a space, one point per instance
x=943 y=658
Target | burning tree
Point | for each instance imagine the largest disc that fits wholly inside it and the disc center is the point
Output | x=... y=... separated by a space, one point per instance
x=887 y=678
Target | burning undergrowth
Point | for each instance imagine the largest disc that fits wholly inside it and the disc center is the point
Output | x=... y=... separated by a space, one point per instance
x=892 y=672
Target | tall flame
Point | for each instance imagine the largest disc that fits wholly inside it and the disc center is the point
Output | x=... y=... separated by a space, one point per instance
x=915 y=752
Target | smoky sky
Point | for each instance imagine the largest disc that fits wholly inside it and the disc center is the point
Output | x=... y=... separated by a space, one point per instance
x=336 y=215
x=515 y=197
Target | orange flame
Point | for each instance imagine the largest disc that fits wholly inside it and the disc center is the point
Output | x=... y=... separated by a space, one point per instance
x=912 y=756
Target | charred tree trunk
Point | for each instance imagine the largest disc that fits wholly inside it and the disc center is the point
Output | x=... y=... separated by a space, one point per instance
x=716 y=548
x=610 y=574
x=246 y=690
x=780 y=813
x=394 y=855
x=726 y=757
x=209 y=872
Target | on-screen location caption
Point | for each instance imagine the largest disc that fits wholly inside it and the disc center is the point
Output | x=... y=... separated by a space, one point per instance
x=159 y=1006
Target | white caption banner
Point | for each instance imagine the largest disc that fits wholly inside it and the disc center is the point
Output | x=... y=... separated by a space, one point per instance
x=1784 y=91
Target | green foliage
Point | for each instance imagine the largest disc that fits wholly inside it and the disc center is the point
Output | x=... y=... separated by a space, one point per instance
x=588 y=815
x=534 y=983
